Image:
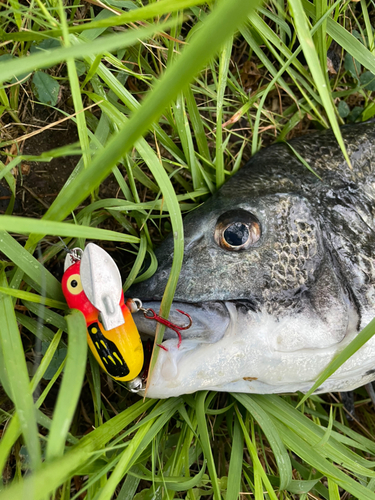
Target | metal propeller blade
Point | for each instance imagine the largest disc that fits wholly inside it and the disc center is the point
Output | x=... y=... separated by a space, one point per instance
x=101 y=282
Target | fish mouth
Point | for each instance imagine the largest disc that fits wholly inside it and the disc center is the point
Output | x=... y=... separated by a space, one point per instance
x=209 y=320
x=235 y=346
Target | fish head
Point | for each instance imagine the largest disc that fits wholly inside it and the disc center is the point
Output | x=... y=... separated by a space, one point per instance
x=265 y=293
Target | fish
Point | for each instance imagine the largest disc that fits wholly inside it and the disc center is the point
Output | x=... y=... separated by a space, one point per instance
x=278 y=274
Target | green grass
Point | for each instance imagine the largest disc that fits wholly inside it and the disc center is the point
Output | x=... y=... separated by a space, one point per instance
x=159 y=97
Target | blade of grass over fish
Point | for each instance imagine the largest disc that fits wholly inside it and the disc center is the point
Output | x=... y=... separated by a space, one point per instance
x=312 y=60
x=147 y=12
x=344 y=355
x=224 y=61
x=71 y=385
x=235 y=463
x=281 y=455
x=18 y=378
x=29 y=265
x=50 y=57
x=56 y=472
x=205 y=442
x=25 y=225
x=302 y=160
x=220 y=24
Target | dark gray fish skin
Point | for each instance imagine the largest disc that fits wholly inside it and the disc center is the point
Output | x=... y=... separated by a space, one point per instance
x=315 y=256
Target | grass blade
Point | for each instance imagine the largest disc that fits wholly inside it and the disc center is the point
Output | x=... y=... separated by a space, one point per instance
x=51 y=57
x=259 y=474
x=205 y=441
x=364 y=336
x=281 y=455
x=71 y=385
x=33 y=297
x=17 y=375
x=235 y=464
x=25 y=225
x=29 y=265
x=312 y=59
x=186 y=138
x=197 y=124
x=222 y=84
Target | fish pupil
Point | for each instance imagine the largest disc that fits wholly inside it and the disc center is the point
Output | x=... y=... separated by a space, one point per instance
x=236 y=234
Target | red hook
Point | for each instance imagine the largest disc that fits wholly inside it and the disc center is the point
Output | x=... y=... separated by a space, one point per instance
x=169 y=324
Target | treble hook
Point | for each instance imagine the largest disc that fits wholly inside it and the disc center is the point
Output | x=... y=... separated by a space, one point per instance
x=167 y=323
x=136 y=305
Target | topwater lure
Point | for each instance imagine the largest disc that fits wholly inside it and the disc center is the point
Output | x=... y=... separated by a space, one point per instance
x=92 y=284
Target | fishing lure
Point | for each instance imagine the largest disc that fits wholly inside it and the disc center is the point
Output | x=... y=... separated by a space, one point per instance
x=92 y=284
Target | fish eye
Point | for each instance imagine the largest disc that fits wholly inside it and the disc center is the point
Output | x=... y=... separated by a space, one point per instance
x=74 y=284
x=237 y=230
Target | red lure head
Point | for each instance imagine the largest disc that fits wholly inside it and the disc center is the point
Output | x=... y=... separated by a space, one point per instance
x=74 y=294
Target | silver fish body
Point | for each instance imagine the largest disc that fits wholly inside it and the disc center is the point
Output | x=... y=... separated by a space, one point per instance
x=278 y=274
